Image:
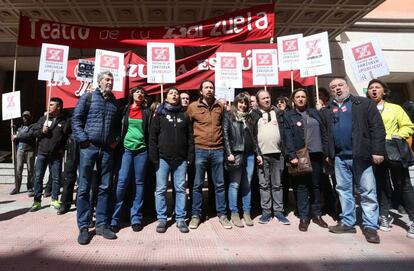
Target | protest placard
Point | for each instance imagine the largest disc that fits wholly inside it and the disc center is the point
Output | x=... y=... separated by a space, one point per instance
x=110 y=61
x=265 y=68
x=11 y=105
x=53 y=62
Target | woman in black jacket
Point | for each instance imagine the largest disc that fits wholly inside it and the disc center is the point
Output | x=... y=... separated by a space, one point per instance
x=240 y=146
x=171 y=149
x=305 y=126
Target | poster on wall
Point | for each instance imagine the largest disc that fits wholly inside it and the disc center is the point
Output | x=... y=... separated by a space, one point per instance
x=160 y=62
x=265 y=68
x=85 y=70
x=53 y=62
x=366 y=59
x=110 y=61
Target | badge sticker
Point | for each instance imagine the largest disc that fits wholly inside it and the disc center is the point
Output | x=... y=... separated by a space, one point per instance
x=299 y=123
x=344 y=109
x=335 y=109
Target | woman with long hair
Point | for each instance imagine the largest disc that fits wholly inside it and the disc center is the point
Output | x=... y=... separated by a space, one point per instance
x=135 y=129
x=240 y=147
x=398 y=126
x=304 y=126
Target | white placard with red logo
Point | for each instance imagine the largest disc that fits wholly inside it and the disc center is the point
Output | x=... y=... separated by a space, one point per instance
x=315 y=57
x=224 y=93
x=160 y=62
x=288 y=52
x=264 y=67
x=11 y=105
x=110 y=61
x=228 y=71
x=367 y=60
x=53 y=61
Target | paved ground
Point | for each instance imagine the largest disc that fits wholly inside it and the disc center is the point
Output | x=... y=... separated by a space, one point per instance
x=46 y=241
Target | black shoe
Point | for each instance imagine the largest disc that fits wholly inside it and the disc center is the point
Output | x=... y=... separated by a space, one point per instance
x=137 y=227
x=47 y=194
x=182 y=226
x=105 y=232
x=91 y=224
x=401 y=210
x=162 y=226
x=319 y=221
x=342 y=228
x=14 y=192
x=83 y=238
x=304 y=224
x=114 y=228
x=62 y=210
x=371 y=235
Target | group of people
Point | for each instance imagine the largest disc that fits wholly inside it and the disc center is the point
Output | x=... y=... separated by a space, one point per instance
x=348 y=135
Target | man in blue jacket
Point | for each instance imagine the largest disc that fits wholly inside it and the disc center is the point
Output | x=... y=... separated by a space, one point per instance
x=95 y=126
x=356 y=139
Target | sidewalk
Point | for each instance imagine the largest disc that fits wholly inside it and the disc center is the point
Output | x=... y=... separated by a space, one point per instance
x=46 y=241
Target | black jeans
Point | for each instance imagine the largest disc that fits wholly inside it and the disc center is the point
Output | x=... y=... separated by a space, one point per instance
x=401 y=185
x=308 y=190
x=70 y=168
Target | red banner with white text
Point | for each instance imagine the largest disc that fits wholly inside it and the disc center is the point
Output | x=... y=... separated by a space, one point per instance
x=190 y=71
x=254 y=23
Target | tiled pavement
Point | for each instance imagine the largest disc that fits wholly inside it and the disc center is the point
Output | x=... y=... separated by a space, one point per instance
x=46 y=241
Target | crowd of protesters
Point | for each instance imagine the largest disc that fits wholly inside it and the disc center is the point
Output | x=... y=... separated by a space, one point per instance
x=109 y=149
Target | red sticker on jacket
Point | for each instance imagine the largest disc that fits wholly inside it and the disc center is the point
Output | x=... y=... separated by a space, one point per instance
x=344 y=109
x=335 y=109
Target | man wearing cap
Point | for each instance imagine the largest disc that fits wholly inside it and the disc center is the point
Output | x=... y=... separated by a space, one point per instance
x=25 y=145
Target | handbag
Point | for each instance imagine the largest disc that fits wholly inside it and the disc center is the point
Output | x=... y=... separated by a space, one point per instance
x=398 y=153
x=237 y=163
x=304 y=165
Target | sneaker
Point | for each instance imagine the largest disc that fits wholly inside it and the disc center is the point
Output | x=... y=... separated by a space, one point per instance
x=385 y=222
x=55 y=204
x=410 y=232
x=279 y=216
x=63 y=210
x=225 y=222
x=401 y=210
x=136 y=227
x=371 y=235
x=235 y=219
x=83 y=237
x=265 y=218
x=341 y=228
x=105 y=232
x=36 y=206
x=91 y=224
x=195 y=222
x=162 y=226
x=248 y=220
x=182 y=226
x=14 y=192
x=114 y=228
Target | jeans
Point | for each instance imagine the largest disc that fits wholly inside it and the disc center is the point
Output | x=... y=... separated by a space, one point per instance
x=401 y=182
x=212 y=159
x=55 y=165
x=21 y=157
x=241 y=177
x=270 y=183
x=308 y=189
x=347 y=170
x=132 y=162
x=178 y=169
x=70 y=173
x=103 y=157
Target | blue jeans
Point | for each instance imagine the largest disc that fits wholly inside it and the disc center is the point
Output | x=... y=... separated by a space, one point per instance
x=241 y=176
x=213 y=159
x=361 y=171
x=132 y=161
x=103 y=157
x=55 y=162
x=178 y=169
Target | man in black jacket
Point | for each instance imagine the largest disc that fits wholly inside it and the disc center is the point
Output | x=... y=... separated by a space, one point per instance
x=25 y=145
x=51 y=134
x=356 y=138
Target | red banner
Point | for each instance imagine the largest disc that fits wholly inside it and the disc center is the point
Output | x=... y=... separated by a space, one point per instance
x=255 y=23
x=190 y=72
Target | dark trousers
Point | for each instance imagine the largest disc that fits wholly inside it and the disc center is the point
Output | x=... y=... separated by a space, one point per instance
x=70 y=168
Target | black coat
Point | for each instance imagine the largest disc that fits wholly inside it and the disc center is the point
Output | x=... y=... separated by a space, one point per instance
x=368 y=132
x=294 y=135
x=171 y=137
x=234 y=134
x=54 y=140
